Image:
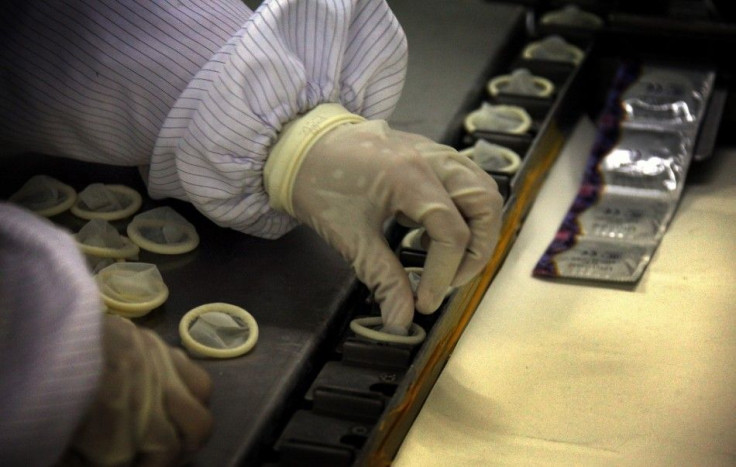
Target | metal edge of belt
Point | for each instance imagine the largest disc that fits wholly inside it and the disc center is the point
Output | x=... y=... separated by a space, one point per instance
x=386 y=438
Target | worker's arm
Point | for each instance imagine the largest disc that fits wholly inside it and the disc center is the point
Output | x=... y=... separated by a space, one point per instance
x=214 y=134
x=75 y=382
x=287 y=58
x=50 y=329
x=346 y=176
x=197 y=89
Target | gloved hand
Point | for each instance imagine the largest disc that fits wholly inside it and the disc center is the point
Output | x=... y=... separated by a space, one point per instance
x=345 y=177
x=150 y=407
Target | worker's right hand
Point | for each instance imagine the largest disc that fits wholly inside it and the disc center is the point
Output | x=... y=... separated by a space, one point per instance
x=345 y=178
x=150 y=408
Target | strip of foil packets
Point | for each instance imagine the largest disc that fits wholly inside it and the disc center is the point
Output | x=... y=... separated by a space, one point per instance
x=634 y=176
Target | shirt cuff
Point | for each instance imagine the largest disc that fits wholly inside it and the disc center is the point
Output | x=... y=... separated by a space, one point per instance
x=287 y=59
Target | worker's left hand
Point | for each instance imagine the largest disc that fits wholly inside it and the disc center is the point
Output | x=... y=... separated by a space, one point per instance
x=151 y=405
x=359 y=175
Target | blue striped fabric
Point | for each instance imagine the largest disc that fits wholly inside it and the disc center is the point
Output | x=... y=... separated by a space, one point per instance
x=198 y=90
x=50 y=349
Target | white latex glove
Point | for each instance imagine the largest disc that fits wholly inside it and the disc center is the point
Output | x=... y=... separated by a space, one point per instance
x=150 y=408
x=345 y=177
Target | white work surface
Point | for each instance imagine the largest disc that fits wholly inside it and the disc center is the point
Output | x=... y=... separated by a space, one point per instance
x=553 y=373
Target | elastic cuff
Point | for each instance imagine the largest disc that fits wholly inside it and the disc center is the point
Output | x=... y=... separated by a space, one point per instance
x=296 y=139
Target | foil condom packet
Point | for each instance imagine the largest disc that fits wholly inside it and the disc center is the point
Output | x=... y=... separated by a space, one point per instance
x=614 y=214
x=585 y=258
x=634 y=177
x=646 y=160
x=667 y=97
x=521 y=82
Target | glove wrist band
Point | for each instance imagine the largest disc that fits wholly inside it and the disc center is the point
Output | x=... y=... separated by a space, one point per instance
x=296 y=139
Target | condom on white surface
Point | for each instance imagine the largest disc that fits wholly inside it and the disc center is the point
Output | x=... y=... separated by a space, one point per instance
x=99 y=238
x=132 y=290
x=107 y=202
x=44 y=195
x=218 y=330
x=554 y=49
x=521 y=82
x=498 y=118
x=572 y=16
x=493 y=157
x=163 y=230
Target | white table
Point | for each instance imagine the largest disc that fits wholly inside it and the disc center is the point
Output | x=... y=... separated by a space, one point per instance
x=549 y=373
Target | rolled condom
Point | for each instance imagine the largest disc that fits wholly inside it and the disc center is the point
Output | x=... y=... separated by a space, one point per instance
x=498 y=118
x=493 y=157
x=218 y=330
x=521 y=82
x=553 y=49
x=44 y=195
x=106 y=202
x=132 y=290
x=164 y=231
x=103 y=245
x=572 y=16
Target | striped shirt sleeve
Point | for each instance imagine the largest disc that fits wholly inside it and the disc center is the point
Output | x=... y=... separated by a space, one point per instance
x=288 y=57
x=196 y=90
x=94 y=79
x=50 y=338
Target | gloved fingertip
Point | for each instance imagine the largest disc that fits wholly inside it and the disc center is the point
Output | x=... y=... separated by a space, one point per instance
x=462 y=279
x=427 y=304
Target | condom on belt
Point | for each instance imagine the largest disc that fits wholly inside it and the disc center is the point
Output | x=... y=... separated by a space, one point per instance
x=106 y=202
x=218 y=330
x=164 y=231
x=510 y=119
x=131 y=290
x=572 y=16
x=521 y=82
x=369 y=327
x=493 y=157
x=553 y=48
x=44 y=195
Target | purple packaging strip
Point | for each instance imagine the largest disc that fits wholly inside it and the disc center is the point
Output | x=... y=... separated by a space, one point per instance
x=633 y=178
